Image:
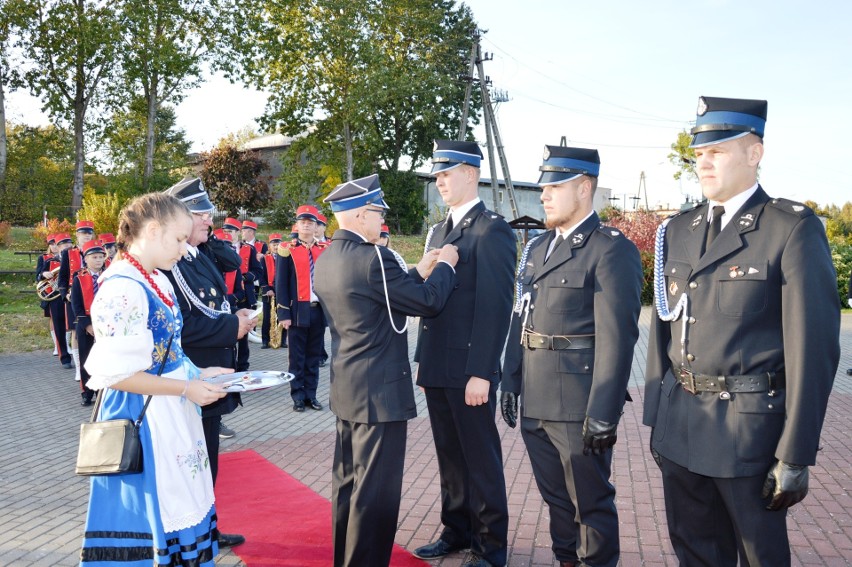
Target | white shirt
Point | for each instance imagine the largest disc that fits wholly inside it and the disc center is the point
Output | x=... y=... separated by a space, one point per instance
x=732 y=205
x=566 y=233
x=459 y=212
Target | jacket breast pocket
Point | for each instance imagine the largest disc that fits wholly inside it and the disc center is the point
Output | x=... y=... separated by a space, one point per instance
x=565 y=293
x=742 y=288
x=677 y=276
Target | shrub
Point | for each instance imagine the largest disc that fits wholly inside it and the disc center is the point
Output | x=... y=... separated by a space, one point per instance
x=101 y=209
x=40 y=232
x=5 y=234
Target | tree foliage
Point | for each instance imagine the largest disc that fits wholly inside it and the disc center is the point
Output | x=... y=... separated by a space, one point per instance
x=404 y=195
x=236 y=180
x=72 y=46
x=683 y=157
x=164 y=44
x=126 y=144
x=377 y=79
x=39 y=173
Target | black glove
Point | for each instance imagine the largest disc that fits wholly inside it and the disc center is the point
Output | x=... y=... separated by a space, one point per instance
x=509 y=408
x=657 y=458
x=598 y=436
x=787 y=484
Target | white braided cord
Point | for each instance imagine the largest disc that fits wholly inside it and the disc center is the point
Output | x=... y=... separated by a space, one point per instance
x=193 y=300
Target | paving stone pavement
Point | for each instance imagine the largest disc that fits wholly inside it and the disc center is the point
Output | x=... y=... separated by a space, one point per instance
x=43 y=504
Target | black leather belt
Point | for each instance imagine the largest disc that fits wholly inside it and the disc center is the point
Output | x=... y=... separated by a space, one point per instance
x=557 y=342
x=745 y=383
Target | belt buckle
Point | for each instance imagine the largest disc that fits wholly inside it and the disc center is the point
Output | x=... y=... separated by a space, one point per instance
x=687 y=380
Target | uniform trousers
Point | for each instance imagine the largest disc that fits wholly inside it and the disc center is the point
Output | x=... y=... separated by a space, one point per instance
x=85 y=342
x=57 y=315
x=211 y=425
x=305 y=351
x=712 y=520
x=576 y=487
x=267 y=315
x=366 y=487
x=473 y=489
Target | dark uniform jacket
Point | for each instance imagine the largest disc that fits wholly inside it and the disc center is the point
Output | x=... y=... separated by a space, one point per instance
x=591 y=285
x=205 y=340
x=467 y=338
x=763 y=298
x=370 y=371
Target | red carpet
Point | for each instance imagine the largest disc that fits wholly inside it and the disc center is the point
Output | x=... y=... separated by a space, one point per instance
x=284 y=521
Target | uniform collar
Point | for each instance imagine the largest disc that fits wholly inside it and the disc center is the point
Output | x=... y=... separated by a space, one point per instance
x=732 y=205
x=459 y=213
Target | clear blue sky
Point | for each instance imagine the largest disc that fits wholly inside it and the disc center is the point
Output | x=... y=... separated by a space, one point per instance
x=625 y=76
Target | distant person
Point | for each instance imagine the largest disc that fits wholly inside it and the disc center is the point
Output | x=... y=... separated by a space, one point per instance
x=742 y=353
x=164 y=514
x=299 y=311
x=384 y=236
x=367 y=292
x=83 y=292
x=459 y=352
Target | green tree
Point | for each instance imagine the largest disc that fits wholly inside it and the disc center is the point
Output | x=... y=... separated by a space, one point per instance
x=404 y=195
x=12 y=18
x=683 y=157
x=377 y=78
x=164 y=44
x=39 y=172
x=235 y=180
x=127 y=147
x=72 y=45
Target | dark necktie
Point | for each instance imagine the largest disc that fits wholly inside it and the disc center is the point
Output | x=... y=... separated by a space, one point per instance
x=311 y=262
x=557 y=241
x=715 y=227
x=448 y=226
x=95 y=284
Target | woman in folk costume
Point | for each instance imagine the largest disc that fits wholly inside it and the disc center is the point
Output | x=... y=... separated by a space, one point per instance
x=165 y=514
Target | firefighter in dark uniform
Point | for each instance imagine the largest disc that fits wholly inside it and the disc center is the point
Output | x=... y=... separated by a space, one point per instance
x=569 y=354
x=47 y=268
x=83 y=291
x=459 y=353
x=299 y=311
x=366 y=292
x=742 y=353
x=71 y=262
x=210 y=329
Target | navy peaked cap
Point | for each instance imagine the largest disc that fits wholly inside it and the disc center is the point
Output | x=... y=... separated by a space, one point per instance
x=722 y=119
x=447 y=154
x=562 y=164
x=357 y=193
x=191 y=192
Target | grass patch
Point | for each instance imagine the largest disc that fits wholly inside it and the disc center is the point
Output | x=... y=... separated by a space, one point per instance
x=24 y=327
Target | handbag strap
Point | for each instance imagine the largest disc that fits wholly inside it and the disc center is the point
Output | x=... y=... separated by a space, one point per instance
x=138 y=421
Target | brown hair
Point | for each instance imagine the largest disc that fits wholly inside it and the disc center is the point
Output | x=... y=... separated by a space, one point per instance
x=140 y=210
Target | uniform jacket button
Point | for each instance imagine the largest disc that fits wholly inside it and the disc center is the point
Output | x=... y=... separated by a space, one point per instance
x=535 y=286
x=693 y=285
x=690 y=357
x=692 y=320
x=425 y=328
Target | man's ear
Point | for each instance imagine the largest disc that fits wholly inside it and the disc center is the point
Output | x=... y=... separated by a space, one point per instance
x=755 y=153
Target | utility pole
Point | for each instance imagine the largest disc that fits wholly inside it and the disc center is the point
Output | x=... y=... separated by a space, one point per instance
x=492 y=133
x=642 y=187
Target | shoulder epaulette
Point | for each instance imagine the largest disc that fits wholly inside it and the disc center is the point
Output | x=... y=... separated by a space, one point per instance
x=792 y=207
x=610 y=231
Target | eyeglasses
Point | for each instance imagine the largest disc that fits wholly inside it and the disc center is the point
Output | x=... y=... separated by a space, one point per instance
x=380 y=212
x=204 y=216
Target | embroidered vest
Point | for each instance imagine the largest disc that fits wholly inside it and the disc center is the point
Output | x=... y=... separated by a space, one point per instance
x=87 y=287
x=303 y=269
x=75 y=263
x=270 y=268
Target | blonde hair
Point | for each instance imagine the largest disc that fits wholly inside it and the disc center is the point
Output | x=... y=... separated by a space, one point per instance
x=140 y=210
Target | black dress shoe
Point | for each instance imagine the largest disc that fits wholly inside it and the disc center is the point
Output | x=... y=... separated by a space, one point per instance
x=299 y=406
x=436 y=549
x=264 y=346
x=228 y=540
x=314 y=403
x=85 y=402
x=67 y=365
